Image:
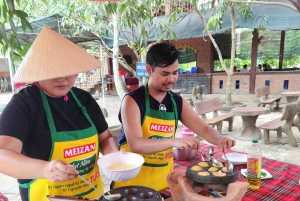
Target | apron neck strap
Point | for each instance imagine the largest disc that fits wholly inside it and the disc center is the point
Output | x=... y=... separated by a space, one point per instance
x=174 y=105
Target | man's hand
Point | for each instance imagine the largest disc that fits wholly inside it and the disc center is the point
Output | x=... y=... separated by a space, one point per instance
x=225 y=143
x=59 y=171
x=187 y=142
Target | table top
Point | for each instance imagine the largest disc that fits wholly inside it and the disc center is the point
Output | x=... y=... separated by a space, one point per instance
x=178 y=90
x=250 y=111
x=291 y=93
x=284 y=184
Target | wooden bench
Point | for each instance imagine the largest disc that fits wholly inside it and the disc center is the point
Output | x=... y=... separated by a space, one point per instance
x=263 y=94
x=213 y=105
x=282 y=124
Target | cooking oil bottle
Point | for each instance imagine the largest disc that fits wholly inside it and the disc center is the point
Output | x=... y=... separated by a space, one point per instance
x=254 y=156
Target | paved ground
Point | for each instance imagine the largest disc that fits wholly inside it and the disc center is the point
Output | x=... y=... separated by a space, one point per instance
x=278 y=149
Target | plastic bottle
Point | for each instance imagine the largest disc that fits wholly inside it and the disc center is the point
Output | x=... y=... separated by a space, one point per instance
x=186 y=132
x=254 y=166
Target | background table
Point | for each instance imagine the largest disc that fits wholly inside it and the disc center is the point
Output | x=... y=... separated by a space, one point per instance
x=283 y=186
x=249 y=115
x=178 y=91
x=291 y=96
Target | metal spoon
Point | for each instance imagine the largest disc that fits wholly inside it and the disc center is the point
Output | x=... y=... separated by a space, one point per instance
x=229 y=166
x=211 y=156
x=107 y=196
x=111 y=197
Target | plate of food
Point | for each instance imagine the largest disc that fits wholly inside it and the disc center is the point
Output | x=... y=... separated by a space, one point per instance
x=264 y=174
x=236 y=158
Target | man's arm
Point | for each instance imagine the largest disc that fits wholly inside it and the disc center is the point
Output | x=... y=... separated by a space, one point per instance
x=190 y=119
x=131 y=121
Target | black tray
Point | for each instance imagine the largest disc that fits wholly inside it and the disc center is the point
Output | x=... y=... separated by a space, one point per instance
x=211 y=179
x=135 y=193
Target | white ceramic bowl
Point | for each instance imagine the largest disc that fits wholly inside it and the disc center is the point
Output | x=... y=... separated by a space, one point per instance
x=118 y=157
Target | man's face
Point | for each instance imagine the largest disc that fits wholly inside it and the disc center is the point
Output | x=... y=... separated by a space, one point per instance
x=163 y=79
x=59 y=87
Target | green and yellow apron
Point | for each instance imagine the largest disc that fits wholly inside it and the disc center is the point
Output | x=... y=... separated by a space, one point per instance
x=155 y=125
x=79 y=148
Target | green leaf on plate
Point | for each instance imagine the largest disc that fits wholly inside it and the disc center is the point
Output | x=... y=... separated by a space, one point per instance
x=263 y=174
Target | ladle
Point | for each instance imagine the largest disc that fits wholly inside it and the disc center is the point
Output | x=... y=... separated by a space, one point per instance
x=229 y=166
x=107 y=196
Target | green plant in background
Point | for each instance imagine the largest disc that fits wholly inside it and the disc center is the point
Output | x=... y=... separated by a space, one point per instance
x=294 y=62
x=237 y=62
x=274 y=63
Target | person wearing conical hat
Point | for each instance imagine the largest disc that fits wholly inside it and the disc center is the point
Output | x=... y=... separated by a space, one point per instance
x=51 y=131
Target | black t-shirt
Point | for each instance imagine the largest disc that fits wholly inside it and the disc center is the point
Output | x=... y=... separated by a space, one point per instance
x=139 y=96
x=24 y=118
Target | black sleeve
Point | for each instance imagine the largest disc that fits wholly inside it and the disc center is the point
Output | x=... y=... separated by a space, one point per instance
x=15 y=118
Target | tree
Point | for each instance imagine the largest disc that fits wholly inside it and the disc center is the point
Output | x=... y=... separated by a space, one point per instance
x=134 y=21
x=219 y=8
x=9 y=43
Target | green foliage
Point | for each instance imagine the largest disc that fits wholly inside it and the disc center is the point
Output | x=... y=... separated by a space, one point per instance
x=11 y=15
x=237 y=62
x=187 y=66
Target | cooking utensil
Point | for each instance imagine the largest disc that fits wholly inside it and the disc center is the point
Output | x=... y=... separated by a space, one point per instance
x=229 y=166
x=135 y=193
x=211 y=154
x=183 y=154
x=211 y=178
x=111 y=197
x=106 y=196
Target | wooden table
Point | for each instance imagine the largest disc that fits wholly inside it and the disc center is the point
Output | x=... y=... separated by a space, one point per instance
x=249 y=115
x=284 y=184
x=291 y=96
x=178 y=91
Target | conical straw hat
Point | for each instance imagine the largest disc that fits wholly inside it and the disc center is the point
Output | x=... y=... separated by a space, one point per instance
x=51 y=56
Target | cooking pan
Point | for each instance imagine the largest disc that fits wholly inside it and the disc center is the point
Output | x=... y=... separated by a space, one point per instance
x=211 y=179
x=136 y=193
x=128 y=193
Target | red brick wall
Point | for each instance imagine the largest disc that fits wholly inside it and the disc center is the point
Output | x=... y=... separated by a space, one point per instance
x=204 y=50
x=276 y=81
x=242 y=77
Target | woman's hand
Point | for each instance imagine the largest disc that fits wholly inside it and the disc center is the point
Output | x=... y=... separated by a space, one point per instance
x=225 y=143
x=187 y=143
x=59 y=171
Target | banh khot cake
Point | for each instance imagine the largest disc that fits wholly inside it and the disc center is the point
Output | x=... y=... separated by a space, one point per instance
x=220 y=164
x=196 y=168
x=203 y=173
x=210 y=173
x=203 y=164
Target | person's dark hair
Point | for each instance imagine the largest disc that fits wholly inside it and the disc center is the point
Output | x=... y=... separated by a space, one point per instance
x=162 y=55
x=245 y=66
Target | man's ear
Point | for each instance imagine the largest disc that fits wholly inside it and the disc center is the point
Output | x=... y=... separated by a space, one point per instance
x=148 y=69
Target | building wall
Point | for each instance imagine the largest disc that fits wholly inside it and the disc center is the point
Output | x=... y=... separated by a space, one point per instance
x=202 y=45
x=204 y=48
x=276 y=79
x=243 y=79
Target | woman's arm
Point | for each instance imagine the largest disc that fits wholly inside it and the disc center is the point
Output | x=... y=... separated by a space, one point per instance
x=16 y=165
x=107 y=142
